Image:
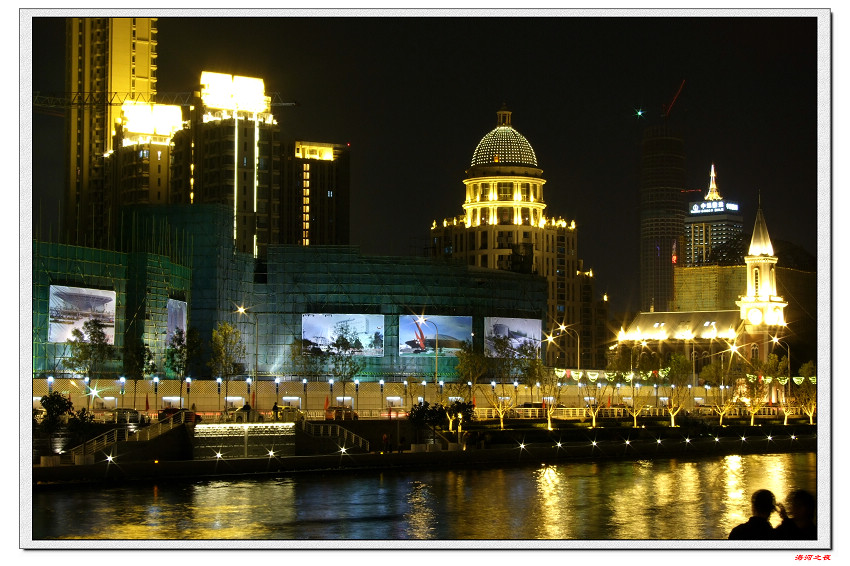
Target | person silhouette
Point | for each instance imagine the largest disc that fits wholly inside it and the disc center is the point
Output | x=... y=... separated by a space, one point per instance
x=800 y=524
x=758 y=527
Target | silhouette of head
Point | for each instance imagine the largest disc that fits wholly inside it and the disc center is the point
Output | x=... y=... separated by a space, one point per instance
x=802 y=505
x=763 y=503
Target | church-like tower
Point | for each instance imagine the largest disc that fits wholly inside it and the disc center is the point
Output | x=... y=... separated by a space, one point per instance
x=761 y=306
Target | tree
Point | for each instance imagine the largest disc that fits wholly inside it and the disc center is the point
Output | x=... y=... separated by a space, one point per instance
x=756 y=386
x=641 y=394
x=177 y=356
x=193 y=352
x=806 y=390
x=678 y=376
x=344 y=354
x=55 y=406
x=723 y=407
x=227 y=353
x=712 y=374
x=81 y=424
x=594 y=392
x=307 y=365
x=471 y=365
x=138 y=363
x=458 y=411
x=89 y=350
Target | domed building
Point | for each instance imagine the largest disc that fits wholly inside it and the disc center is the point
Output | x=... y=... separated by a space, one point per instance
x=504 y=226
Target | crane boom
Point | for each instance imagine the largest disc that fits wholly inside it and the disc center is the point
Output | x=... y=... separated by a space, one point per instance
x=668 y=108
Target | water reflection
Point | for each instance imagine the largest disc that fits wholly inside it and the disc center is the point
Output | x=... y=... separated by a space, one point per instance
x=658 y=499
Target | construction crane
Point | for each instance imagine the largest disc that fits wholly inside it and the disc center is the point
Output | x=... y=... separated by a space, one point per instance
x=69 y=99
x=667 y=108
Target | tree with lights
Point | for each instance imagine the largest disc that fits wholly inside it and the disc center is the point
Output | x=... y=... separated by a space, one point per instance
x=757 y=387
x=806 y=390
x=678 y=376
x=503 y=365
x=594 y=390
x=641 y=394
x=227 y=353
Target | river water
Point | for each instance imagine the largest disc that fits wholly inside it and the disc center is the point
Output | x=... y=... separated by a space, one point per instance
x=697 y=499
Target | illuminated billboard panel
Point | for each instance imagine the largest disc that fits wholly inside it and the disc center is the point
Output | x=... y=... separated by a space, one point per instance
x=72 y=307
x=447 y=333
x=518 y=331
x=176 y=318
x=319 y=333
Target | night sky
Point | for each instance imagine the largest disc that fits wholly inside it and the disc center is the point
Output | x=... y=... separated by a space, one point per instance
x=414 y=96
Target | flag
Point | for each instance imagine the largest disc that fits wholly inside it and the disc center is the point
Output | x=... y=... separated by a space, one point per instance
x=609 y=401
x=147 y=405
x=543 y=404
x=326 y=402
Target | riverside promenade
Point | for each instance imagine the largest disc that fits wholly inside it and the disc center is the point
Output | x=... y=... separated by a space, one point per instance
x=533 y=454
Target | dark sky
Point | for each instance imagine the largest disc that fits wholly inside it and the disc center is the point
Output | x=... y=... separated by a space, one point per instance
x=414 y=96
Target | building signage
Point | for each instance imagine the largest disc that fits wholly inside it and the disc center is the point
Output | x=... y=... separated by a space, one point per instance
x=418 y=337
x=72 y=307
x=365 y=333
x=713 y=207
x=517 y=332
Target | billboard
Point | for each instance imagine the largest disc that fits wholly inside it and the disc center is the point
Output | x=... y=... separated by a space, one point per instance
x=518 y=331
x=417 y=338
x=72 y=307
x=176 y=318
x=319 y=332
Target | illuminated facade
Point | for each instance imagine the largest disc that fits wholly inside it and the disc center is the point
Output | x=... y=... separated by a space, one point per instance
x=709 y=225
x=138 y=166
x=229 y=153
x=662 y=179
x=106 y=58
x=702 y=334
x=504 y=227
x=315 y=193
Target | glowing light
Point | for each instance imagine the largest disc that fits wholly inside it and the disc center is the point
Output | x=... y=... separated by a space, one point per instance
x=218 y=454
x=232 y=92
x=271 y=453
x=342 y=450
x=658 y=441
x=638 y=113
x=109 y=458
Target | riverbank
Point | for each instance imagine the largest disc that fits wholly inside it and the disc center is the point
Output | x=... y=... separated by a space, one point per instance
x=533 y=454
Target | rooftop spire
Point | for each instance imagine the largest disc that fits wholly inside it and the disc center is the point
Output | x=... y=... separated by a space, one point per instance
x=712 y=187
x=760 y=244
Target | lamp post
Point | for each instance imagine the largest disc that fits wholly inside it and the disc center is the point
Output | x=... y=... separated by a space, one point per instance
x=423 y=390
x=87 y=390
x=423 y=320
x=188 y=390
x=441 y=391
x=248 y=389
x=382 y=400
x=242 y=310
x=122 y=380
x=218 y=385
x=304 y=383
x=156 y=393
x=575 y=333
x=331 y=388
x=469 y=384
x=357 y=394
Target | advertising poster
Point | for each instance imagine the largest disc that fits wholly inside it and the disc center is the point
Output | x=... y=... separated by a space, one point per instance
x=319 y=333
x=518 y=331
x=176 y=318
x=447 y=333
x=72 y=307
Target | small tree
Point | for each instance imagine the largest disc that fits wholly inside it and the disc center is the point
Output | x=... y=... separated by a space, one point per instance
x=81 y=424
x=471 y=365
x=345 y=359
x=227 y=353
x=138 y=363
x=176 y=357
x=594 y=392
x=723 y=407
x=806 y=390
x=89 y=350
x=756 y=386
x=641 y=394
x=55 y=406
x=678 y=376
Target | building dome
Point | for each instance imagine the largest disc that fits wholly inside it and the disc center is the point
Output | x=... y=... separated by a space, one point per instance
x=504 y=145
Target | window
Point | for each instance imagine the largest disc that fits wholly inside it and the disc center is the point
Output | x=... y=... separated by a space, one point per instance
x=505 y=191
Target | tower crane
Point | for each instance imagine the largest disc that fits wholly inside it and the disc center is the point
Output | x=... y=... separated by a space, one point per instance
x=667 y=108
x=69 y=99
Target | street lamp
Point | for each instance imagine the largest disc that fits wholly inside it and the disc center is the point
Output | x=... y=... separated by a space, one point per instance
x=218 y=385
x=304 y=383
x=188 y=390
x=357 y=394
x=50 y=384
x=156 y=393
x=242 y=310
x=381 y=383
x=575 y=332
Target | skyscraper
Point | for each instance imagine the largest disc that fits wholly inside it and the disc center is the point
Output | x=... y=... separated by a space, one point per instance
x=709 y=225
x=108 y=61
x=662 y=179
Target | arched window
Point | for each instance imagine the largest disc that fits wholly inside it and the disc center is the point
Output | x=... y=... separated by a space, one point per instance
x=756 y=282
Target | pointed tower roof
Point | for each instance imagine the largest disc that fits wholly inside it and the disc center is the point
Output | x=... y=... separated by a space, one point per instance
x=760 y=244
x=712 y=187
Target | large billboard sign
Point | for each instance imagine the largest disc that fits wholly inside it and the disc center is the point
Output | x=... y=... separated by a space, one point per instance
x=176 y=318
x=446 y=333
x=72 y=307
x=319 y=333
x=518 y=331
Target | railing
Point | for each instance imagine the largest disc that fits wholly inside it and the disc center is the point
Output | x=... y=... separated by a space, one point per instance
x=578 y=413
x=129 y=434
x=336 y=431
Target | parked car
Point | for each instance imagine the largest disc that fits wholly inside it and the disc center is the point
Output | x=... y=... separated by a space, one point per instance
x=126 y=416
x=289 y=415
x=187 y=415
x=341 y=414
